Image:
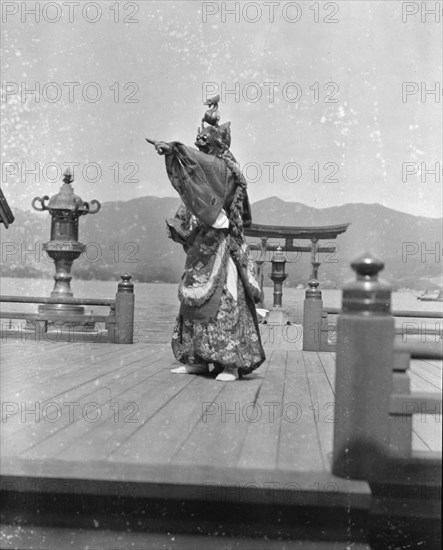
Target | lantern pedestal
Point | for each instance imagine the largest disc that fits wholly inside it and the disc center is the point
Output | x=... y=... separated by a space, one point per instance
x=64 y=254
x=275 y=317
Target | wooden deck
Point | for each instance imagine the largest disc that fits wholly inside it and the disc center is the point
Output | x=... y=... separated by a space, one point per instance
x=113 y=420
x=121 y=403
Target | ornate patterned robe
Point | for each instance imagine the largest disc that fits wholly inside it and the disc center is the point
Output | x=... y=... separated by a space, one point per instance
x=217 y=322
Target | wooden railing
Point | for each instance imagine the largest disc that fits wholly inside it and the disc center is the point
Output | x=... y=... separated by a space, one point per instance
x=374 y=404
x=403 y=404
x=62 y=326
x=320 y=326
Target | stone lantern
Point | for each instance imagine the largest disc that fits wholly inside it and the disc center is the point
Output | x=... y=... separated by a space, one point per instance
x=278 y=275
x=64 y=247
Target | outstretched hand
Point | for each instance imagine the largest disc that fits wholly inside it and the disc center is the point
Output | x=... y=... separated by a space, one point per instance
x=161 y=147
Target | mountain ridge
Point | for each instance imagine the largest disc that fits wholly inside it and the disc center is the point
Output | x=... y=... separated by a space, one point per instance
x=348 y=204
x=131 y=236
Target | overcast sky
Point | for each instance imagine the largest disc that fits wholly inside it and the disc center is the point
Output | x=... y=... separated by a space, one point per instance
x=319 y=116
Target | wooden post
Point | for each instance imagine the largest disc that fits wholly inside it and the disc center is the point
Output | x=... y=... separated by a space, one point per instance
x=124 y=311
x=312 y=317
x=363 y=383
x=111 y=324
x=40 y=329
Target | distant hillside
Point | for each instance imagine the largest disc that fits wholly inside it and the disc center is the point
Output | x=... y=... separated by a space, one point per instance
x=404 y=242
x=131 y=236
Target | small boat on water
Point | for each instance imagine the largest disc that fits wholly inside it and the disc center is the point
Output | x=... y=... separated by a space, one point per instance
x=434 y=296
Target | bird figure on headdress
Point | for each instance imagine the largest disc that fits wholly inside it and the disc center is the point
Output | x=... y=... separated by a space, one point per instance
x=212 y=115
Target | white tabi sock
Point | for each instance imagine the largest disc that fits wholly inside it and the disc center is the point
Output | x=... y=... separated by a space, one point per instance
x=191 y=369
x=229 y=374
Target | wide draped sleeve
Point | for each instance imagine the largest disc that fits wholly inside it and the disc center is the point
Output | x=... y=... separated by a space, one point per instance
x=203 y=181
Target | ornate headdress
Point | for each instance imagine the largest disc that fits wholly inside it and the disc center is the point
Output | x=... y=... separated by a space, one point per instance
x=216 y=140
x=213 y=139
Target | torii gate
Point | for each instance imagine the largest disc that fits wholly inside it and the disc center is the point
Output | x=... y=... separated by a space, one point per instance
x=289 y=233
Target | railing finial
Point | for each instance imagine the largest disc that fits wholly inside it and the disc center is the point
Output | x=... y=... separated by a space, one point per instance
x=367 y=266
x=125 y=284
x=367 y=294
x=313 y=292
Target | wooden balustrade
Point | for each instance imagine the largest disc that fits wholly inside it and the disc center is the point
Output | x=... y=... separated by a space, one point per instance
x=320 y=327
x=374 y=404
x=119 y=323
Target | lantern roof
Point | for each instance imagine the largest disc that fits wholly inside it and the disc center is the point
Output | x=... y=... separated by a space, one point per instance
x=66 y=199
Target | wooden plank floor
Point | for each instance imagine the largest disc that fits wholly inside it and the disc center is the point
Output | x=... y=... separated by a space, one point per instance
x=94 y=539
x=101 y=402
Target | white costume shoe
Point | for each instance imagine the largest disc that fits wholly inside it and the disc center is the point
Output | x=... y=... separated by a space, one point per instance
x=229 y=374
x=191 y=369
